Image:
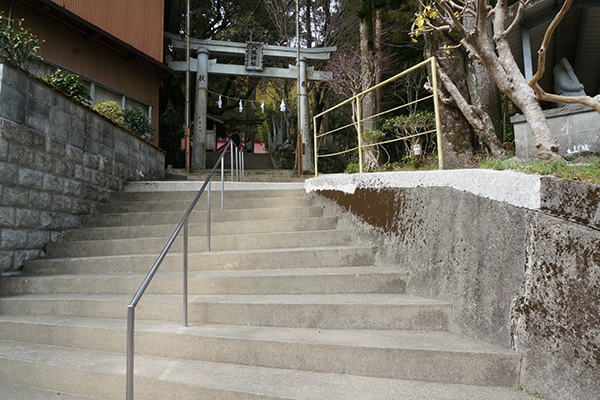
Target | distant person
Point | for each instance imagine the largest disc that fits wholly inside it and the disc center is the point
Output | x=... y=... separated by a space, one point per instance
x=236 y=139
x=248 y=146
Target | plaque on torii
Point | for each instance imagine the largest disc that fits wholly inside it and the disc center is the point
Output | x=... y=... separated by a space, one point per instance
x=254 y=53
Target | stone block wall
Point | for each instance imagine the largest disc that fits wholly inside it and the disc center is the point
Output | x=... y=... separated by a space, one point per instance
x=57 y=159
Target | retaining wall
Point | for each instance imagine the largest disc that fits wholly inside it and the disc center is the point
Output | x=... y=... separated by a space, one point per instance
x=517 y=255
x=576 y=128
x=57 y=159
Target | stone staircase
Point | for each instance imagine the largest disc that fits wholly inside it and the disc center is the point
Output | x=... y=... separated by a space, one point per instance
x=285 y=306
x=257 y=168
x=260 y=161
x=263 y=175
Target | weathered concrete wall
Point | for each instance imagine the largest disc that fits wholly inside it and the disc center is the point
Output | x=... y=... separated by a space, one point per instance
x=576 y=128
x=525 y=277
x=57 y=158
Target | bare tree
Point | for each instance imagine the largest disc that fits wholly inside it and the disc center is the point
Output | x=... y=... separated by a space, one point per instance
x=493 y=52
x=348 y=80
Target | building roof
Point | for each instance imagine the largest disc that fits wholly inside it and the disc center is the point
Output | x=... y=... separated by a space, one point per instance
x=174 y=13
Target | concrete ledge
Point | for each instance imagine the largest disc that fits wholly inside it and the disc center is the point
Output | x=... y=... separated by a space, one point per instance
x=514 y=188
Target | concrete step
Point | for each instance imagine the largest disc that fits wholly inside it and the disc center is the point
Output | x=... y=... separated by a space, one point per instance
x=217 y=228
x=249 y=176
x=337 y=311
x=173 y=217
x=333 y=280
x=12 y=392
x=101 y=373
x=251 y=160
x=183 y=205
x=187 y=191
x=235 y=260
x=396 y=354
x=95 y=248
x=261 y=188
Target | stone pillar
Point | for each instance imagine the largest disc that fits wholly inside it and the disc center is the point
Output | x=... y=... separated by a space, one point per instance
x=308 y=159
x=199 y=146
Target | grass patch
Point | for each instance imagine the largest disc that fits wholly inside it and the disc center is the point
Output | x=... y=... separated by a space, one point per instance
x=408 y=163
x=581 y=169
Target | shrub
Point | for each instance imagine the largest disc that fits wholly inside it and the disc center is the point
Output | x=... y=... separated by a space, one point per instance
x=137 y=121
x=70 y=84
x=18 y=45
x=111 y=110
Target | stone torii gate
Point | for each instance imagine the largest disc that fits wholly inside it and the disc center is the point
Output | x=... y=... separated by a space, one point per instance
x=254 y=53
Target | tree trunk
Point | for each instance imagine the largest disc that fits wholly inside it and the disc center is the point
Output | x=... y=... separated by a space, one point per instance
x=370 y=155
x=482 y=88
x=511 y=82
x=457 y=133
x=378 y=75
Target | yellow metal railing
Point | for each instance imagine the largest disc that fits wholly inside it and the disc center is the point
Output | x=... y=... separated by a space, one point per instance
x=359 y=120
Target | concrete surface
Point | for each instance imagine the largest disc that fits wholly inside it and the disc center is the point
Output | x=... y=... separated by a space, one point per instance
x=521 y=271
x=11 y=392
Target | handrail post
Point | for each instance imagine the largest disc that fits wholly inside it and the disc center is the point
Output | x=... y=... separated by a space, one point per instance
x=239 y=165
x=231 y=156
x=438 y=127
x=208 y=217
x=237 y=157
x=316 y=150
x=130 y=353
x=359 y=130
x=242 y=174
x=222 y=181
x=185 y=273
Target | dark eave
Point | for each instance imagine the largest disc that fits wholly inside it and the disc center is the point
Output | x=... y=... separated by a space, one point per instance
x=93 y=33
x=174 y=12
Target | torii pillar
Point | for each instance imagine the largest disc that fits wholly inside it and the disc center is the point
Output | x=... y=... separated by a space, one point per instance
x=199 y=149
x=304 y=119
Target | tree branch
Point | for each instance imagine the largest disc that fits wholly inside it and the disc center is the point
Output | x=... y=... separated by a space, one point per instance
x=455 y=22
x=481 y=20
x=555 y=98
x=447 y=100
x=517 y=20
x=547 y=36
x=534 y=81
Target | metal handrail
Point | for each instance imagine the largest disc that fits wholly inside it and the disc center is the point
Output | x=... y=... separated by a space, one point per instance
x=430 y=61
x=182 y=225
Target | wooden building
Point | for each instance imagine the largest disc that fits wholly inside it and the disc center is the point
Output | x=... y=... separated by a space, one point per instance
x=116 y=46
